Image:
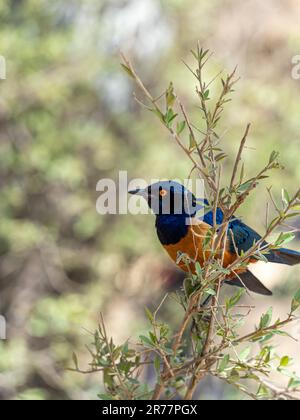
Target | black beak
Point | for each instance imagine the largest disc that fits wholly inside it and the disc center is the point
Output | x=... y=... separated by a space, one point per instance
x=138 y=191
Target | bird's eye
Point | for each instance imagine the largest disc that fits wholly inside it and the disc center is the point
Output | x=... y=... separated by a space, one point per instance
x=163 y=193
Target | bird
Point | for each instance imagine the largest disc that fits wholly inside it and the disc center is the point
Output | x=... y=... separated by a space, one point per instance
x=181 y=232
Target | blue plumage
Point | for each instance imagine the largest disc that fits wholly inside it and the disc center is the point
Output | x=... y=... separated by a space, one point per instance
x=171 y=228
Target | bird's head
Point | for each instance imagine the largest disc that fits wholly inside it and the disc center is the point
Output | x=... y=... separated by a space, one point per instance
x=169 y=197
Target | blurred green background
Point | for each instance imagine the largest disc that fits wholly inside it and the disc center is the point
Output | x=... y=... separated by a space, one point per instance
x=68 y=119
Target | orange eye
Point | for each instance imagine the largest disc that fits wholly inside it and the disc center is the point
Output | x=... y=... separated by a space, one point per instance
x=162 y=193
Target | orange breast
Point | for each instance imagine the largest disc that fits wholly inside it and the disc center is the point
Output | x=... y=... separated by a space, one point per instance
x=192 y=245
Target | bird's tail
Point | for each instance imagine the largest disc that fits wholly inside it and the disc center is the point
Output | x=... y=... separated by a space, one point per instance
x=250 y=282
x=284 y=256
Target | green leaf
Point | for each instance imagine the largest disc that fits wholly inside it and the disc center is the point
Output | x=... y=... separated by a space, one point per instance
x=262 y=392
x=203 y=53
x=152 y=337
x=180 y=127
x=125 y=347
x=117 y=351
x=146 y=340
x=107 y=377
x=266 y=319
x=149 y=315
x=244 y=354
x=224 y=363
x=210 y=292
x=234 y=375
x=265 y=354
x=295 y=302
x=192 y=141
x=169 y=116
x=220 y=156
x=234 y=299
x=263 y=337
x=206 y=95
x=284 y=238
x=288 y=216
x=157 y=364
x=198 y=269
x=296 y=206
x=195 y=55
x=284 y=361
x=245 y=186
x=164 y=330
x=170 y=96
x=274 y=155
x=206 y=242
x=294 y=383
x=127 y=70
x=285 y=197
x=283 y=333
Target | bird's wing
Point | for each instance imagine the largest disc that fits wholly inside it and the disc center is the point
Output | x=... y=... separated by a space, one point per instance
x=241 y=237
x=245 y=237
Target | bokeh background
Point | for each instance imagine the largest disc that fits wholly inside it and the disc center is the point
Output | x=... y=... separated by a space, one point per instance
x=68 y=119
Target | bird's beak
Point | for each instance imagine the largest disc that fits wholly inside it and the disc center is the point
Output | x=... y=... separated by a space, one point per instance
x=138 y=191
